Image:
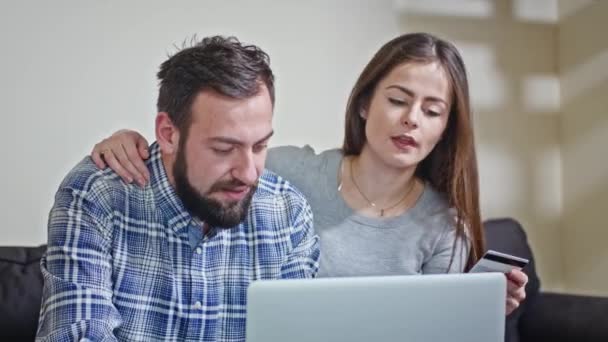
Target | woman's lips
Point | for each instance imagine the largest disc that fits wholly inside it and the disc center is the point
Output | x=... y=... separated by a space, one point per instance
x=404 y=142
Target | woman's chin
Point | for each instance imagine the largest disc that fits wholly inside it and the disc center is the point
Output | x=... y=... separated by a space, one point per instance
x=400 y=161
x=395 y=158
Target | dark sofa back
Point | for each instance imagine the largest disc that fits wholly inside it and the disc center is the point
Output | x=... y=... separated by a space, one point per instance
x=506 y=235
x=20 y=292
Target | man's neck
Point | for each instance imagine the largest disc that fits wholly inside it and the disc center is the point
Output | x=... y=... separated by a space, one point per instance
x=168 y=160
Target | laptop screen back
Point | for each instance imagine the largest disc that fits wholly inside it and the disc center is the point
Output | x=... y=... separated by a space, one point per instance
x=454 y=307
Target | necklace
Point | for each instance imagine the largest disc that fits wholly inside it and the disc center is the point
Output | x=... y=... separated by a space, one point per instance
x=382 y=210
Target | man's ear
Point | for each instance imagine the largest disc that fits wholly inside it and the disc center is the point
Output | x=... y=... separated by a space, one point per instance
x=167 y=135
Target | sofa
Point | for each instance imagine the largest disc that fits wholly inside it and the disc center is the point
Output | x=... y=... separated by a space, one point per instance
x=541 y=317
x=544 y=316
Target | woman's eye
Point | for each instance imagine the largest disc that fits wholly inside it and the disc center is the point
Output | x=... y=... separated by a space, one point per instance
x=396 y=102
x=432 y=113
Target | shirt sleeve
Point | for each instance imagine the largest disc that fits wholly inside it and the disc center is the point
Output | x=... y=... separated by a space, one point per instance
x=303 y=260
x=450 y=254
x=77 y=293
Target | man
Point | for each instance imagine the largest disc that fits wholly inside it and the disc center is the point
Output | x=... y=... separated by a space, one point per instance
x=172 y=261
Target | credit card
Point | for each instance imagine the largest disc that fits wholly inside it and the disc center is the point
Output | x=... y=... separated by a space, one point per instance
x=493 y=261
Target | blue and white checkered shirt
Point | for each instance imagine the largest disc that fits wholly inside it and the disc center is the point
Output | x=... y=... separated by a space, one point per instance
x=124 y=262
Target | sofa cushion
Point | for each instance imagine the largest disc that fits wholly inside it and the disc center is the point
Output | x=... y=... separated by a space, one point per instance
x=20 y=292
x=559 y=317
x=506 y=235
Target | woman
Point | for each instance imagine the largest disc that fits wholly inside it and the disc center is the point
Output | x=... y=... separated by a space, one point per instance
x=401 y=196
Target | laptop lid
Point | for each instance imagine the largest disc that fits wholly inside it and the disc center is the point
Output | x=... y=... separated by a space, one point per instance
x=448 y=307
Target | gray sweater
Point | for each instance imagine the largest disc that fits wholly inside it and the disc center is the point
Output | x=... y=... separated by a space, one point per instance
x=421 y=240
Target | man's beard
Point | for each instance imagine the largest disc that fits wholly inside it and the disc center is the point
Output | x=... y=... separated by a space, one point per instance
x=211 y=211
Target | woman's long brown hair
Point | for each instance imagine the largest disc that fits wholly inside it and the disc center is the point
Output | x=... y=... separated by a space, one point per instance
x=451 y=167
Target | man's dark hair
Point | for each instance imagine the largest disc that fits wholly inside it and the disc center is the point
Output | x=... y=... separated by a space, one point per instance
x=222 y=64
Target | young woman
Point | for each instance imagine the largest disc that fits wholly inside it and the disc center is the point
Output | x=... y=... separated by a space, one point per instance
x=401 y=195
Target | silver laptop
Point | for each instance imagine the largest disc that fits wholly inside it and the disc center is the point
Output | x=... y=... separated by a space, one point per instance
x=455 y=307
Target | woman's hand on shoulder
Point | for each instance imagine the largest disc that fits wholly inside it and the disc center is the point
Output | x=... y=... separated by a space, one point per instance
x=124 y=152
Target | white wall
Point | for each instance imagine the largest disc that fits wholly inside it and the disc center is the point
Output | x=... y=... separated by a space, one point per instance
x=73 y=71
x=583 y=62
x=76 y=70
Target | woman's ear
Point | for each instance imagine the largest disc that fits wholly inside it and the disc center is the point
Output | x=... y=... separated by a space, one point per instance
x=364 y=108
x=363 y=113
x=167 y=135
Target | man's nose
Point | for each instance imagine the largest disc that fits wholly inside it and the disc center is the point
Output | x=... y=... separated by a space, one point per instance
x=246 y=171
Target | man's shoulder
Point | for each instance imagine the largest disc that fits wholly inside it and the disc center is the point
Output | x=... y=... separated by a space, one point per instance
x=272 y=186
x=90 y=197
x=87 y=180
x=278 y=206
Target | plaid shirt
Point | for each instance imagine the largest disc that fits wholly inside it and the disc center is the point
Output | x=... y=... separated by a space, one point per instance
x=120 y=264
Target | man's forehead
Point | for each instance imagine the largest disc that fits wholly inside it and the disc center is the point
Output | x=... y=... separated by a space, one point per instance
x=247 y=120
x=235 y=139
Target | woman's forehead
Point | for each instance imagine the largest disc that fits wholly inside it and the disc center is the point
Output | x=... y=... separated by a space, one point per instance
x=423 y=79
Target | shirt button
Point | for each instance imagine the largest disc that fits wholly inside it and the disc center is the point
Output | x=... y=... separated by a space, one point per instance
x=199 y=250
x=198 y=305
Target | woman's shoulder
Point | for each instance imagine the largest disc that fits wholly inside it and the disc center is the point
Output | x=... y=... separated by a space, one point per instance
x=303 y=166
x=288 y=154
x=283 y=160
x=440 y=220
x=434 y=208
x=434 y=202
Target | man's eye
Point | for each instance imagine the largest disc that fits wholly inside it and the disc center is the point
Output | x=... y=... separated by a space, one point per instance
x=221 y=151
x=259 y=148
